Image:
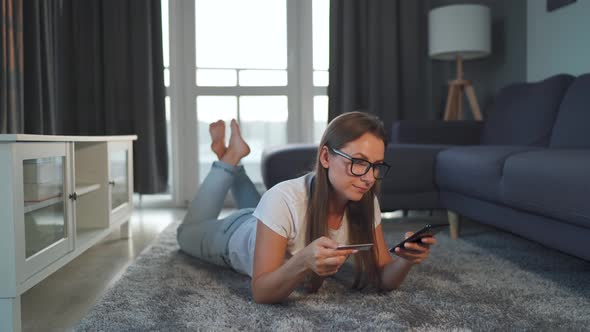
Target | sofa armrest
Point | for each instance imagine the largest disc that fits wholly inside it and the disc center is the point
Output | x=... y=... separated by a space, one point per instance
x=436 y=132
x=411 y=183
x=286 y=162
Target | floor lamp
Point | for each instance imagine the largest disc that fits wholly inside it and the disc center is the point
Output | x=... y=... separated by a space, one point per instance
x=459 y=32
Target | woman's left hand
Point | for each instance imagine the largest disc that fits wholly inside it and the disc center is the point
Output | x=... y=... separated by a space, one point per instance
x=413 y=252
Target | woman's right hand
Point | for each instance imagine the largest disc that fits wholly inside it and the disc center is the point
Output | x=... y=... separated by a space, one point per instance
x=322 y=257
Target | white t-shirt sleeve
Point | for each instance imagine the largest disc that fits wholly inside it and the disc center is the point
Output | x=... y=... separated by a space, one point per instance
x=377 y=212
x=274 y=211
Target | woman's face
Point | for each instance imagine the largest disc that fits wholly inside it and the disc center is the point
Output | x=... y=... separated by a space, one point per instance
x=348 y=186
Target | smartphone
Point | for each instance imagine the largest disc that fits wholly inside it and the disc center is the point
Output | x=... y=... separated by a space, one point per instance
x=426 y=231
x=364 y=246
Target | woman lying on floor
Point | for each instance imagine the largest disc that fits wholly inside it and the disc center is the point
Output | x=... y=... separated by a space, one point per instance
x=290 y=235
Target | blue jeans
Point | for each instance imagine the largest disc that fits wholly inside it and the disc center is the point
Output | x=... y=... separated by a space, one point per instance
x=201 y=234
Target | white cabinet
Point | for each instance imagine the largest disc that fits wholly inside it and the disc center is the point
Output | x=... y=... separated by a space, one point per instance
x=59 y=196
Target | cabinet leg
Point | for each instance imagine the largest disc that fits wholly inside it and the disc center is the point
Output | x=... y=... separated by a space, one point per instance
x=125 y=230
x=10 y=319
x=454 y=224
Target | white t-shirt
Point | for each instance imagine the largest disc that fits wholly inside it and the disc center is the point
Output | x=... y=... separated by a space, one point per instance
x=282 y=208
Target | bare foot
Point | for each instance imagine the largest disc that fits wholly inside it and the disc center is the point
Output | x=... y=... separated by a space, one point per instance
x=237 y=148
x=217 y=131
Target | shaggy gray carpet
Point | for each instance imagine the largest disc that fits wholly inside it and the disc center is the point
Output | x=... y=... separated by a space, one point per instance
x=486 y=280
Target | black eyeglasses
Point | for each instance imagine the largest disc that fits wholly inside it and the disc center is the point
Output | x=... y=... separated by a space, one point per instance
x=360 y=167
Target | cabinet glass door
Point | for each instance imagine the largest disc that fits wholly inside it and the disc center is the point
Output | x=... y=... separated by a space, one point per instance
x=45 y=228
x=43 y=194
x=119 y=179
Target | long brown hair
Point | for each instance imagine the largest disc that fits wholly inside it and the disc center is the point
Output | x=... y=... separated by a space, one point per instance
x=340 y=131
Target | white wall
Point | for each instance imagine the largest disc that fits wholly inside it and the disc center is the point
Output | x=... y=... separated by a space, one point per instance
x=557 y=41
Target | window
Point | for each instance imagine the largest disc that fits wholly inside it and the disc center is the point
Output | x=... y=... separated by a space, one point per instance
x=241 y=72
x=321 y=62
x=263 y=62
x=166 y=56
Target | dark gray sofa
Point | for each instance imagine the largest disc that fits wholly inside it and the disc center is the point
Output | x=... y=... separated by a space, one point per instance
x=525 y=169
x=528 y=172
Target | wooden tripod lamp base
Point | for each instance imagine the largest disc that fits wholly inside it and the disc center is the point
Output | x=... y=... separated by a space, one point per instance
x=453 y=109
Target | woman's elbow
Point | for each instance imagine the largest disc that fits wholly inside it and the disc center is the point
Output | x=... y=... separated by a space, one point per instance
x=388 y=287
x=261 y=300
x=260 y=296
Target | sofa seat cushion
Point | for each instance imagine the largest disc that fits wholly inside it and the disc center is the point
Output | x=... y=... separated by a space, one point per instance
x=554 y=183
x=474 y=170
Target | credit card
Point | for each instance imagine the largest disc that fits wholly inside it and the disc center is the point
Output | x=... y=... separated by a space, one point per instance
x=364 y=246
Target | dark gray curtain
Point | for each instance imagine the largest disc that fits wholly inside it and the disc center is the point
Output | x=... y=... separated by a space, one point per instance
x=378 y=54
x=95 y=67
x=11 y=66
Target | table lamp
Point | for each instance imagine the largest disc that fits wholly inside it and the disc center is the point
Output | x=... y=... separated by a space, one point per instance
x=459 y=32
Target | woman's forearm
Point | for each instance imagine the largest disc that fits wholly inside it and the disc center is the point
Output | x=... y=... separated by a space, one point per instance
x=276 y=286
x=394 y=273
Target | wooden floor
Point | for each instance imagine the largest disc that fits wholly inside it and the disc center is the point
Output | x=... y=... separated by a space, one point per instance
x=61 y=300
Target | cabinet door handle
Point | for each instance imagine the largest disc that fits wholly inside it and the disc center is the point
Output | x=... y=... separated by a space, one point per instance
x=74 y=196
x=112 y=183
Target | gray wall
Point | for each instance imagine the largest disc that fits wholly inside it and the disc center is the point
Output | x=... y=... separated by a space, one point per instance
x=557 y=41
x=506 y=64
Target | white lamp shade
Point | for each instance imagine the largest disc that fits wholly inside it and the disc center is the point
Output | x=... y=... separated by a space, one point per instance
x=463 y=30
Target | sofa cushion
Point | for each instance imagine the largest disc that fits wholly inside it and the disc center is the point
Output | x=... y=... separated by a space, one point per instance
x=551 y=182
x=572 y=126
x=475 y=170
x=524 y=113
